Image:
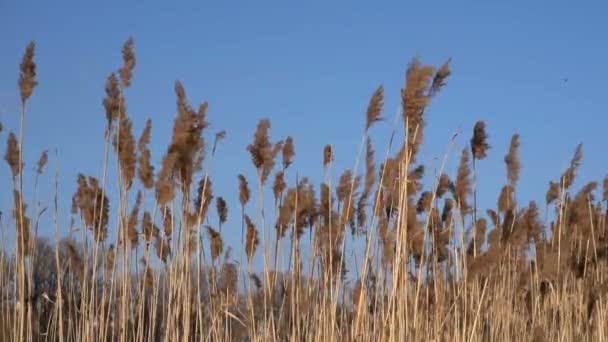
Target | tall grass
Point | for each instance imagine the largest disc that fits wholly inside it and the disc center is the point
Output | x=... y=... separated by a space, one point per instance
x=389 y=258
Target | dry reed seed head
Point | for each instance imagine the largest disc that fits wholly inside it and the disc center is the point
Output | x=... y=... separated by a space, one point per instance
x=279 y=185
x=362 y=212
x=494 y=217
x=187 y=147
x=148 y=228
x=512 y=161
x=374 y=109
x=568 y=176
x=12 y=154
x=27 y=73
x=132 y=233
x=289 y=152
x=146 y=170
x=124 y=144
x=580 y=206
x=553 y=192
x=414 y=179
x=22 y=224
x=481 y=226
x=222 y=209
x=229 y=278
x=425 y=202
x=44 y=158
x=506 y=199
x=286 y=213
x=144 y=138
x=262 y=150
x=448 y=206
x=439 y=81
x=252 y=240
x=479 y=145
x=113 y=100
x=463 y=181
x=244 y=193
x=165 y=184
x=167 y=217
x=94 y=206
x=328 y=155
x=444 y=185
x=216 y=243
x=414 y=99
x=110 y=258
x=219 y=136
x=162 y=248
x=306 y=207
x=128 y=60
x=256 y=281
x=344 y=185
x=204 y=197
x=370 y=167
x=530 y=220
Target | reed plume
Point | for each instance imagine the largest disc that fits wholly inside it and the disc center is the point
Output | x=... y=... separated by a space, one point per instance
x=162 y=248
x=289 y=152
x=370 y=167
x=568 y=176
x=278 y=186
x=439 y=80
x=219 y=136
x=110 y=258
x=23 y=225
x=44 y=158
x=216 y=243
x=124 y=144
x=262 y=151
x=512 y=161
x=414 y=99
x=186 y=151
x=144 y=138
x=506 y=199
x=113 y=101
x=222 y=210
x=424 y=202
x=252 y=240
x=552 y=192
x=148 y=228
x=244 y=193
x=374 y=109
x=132 y=233
x=444 y=185
x=94 y=206
x=204 y=196
x=479 y=144
x=328 y=155
x=27 y=73
x=12 y=155
x=167 y=217
x=462 y=187
x=128 y=58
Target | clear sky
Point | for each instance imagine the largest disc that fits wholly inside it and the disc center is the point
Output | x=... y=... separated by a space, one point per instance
x=311 y=68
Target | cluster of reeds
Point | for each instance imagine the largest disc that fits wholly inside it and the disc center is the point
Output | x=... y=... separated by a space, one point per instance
x=374 y=254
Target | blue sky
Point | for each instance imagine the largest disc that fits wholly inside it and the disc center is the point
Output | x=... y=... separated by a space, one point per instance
x=311 y=68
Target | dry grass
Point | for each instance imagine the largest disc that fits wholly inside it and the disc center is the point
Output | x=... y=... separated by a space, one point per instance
x=372 y=256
